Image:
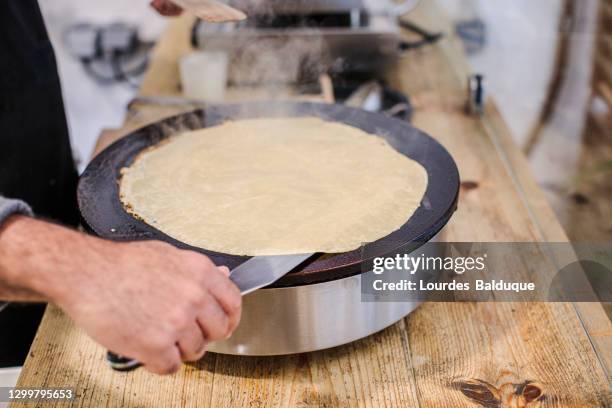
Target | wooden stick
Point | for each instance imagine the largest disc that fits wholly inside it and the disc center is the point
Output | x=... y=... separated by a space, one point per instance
x=212 y=10
x=327 y=89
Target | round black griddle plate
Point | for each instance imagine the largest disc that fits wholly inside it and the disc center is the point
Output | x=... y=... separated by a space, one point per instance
x=104 y=214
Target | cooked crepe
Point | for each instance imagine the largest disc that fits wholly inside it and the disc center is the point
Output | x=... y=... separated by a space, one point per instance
x=274 y=186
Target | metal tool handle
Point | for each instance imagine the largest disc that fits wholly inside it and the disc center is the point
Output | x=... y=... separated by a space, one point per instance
x=120 y=363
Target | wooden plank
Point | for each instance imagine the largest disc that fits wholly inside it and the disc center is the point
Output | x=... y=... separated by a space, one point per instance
x=375 y=369
x=604 y=44
x=162 y=77
x=443 y=354
x=542 y=221
x=592 y=315
x=495 y=198
x=605 y=16
x=603 y=68
x=605 y=92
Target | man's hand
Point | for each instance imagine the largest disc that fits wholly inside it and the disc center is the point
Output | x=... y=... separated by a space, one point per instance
x=153 y=302
x=146 y=300
x=166 y=8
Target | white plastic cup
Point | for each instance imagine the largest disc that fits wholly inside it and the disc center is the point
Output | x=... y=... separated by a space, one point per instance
x=204 y=75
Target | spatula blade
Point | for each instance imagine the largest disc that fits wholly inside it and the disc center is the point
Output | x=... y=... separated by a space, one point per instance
x=261 y=271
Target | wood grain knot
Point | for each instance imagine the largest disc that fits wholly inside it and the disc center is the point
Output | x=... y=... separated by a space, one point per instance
x=480 y=392
x=580 y=198
x=525 y=394
x=469 y=185
x=531 y=393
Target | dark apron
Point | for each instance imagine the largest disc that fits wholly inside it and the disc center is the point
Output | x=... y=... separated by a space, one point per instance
x=36 y=162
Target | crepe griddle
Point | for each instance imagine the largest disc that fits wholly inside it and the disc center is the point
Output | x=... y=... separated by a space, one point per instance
x=103 y=212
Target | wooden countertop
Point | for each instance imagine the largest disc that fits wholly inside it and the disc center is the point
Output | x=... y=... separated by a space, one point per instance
x=443 y=354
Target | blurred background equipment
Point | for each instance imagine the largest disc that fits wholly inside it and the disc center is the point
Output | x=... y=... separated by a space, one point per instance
x=204 y=75
x=546 y=64
x=109 y=53
x=602 y=75
x=298 y=41
x=476 y=96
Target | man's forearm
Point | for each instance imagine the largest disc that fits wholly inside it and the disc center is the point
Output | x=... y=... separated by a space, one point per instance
x=33 y=258
x=147 y=300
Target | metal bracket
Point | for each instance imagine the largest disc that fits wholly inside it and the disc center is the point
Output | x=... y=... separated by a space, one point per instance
x=475 y=95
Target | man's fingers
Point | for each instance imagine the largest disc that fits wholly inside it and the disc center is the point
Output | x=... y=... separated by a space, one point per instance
x=166 y=362
x=213 y=320
x=192 y=343
x=225 y=270
x=228 y=296
x=166 y=8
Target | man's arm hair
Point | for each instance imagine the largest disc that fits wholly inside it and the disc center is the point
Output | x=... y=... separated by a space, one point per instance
x=9 y=207
x=148 y=300
x=32 y=257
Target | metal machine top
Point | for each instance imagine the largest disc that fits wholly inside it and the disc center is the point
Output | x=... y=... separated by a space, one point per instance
x=296 y=6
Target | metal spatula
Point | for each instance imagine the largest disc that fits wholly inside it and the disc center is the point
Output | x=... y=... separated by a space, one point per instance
x=211 y=10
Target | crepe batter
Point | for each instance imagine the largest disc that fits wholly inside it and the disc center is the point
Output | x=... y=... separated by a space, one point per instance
x=274 y=186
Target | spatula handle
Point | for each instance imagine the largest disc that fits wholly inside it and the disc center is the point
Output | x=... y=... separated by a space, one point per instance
x=120 y=363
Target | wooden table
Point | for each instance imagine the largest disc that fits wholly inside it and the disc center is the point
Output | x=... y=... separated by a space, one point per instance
x=443 y=354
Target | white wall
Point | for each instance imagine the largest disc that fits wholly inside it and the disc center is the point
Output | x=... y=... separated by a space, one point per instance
x=518 y=58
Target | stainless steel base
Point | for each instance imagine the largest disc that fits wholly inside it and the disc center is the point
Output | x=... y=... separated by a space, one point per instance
x=306 y=318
